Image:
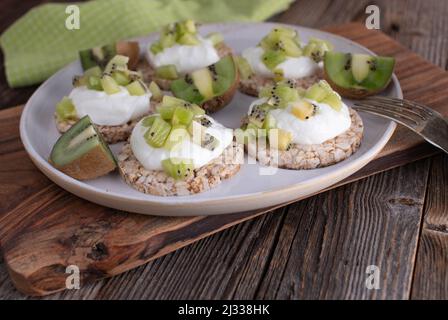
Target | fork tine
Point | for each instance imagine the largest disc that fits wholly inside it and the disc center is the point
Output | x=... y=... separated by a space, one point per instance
x=401 y=108
x=408 y=122
x=393 y=113
x=407 y=103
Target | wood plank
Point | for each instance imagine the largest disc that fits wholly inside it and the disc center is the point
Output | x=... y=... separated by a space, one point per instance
x=431 y=272
x=104 y=242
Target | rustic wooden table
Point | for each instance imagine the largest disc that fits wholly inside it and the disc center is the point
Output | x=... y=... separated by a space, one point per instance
x=319 y=247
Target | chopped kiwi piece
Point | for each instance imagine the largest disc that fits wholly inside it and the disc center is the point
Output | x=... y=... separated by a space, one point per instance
x=94 y=71
x=269 y=122
x=166 y=112
x=280 y=139
x=318 y=91
x=177 y=135
x=215 y=38
x=203 y=81
x=94 y=83
x=182 y=115
x=244 y=68
x=137 y=88
x=156 y=47
x=117 y=63
x=303 y=109
x=167 y=40
x=169 y=101
x=65 y=110
x=149 y=120
x=333 y=100
x=109 y=85
x=316 y=49
x=155 y=91
x=157 y=134
x=82 y=153
x=280 y=94
x=190 y=26
x=258 y=114
x=189 y=40
x=100 y=56
x=167 y=72
x=178 y=169
x=357 y=75
x=216 y=81
x=121 y=78
x=79 y=81
x=272 y=58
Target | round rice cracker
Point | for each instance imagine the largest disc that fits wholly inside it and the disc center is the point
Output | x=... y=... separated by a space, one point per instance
x=306 y=156
x=254 y=83
x=159 y=183
x=111 y=134
x=148 y=70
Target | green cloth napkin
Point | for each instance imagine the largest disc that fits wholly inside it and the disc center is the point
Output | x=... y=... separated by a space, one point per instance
x=38 y=44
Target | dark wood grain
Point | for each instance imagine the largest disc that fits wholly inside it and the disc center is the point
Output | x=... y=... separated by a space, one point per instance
x=431 y=273
x=249 y=247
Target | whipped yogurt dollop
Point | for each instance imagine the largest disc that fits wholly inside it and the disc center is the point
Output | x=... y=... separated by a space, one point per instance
x=151 y=158
x=112 y=110
x=296 y=68
x=326 y=124
x=186 y=58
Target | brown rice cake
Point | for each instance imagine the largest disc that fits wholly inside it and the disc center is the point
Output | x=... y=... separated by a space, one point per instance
x=255 y=82
x=159 y=183
x=149 y=72
x=302 y=156
x=111 y=134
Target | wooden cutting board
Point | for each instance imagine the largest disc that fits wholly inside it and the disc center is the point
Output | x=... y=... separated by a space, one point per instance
x=43 y=228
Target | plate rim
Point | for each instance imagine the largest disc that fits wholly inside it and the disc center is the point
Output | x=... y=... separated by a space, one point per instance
x=55 y=175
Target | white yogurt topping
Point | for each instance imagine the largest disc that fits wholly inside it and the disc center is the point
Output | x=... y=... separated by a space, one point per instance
x=112 y=110
x=326 y=124
x=296 y=68
x=151 y=158
x=186 y=58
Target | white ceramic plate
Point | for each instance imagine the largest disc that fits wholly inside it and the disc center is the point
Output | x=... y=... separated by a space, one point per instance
x=247 y=190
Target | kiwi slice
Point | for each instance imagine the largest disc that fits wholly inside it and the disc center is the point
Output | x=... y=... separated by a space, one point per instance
x=244 y=68
x=279 y=138
x=316 y=49
x=157 y=134
x=137 y=88
x=357 y=75
x=178 y=168
x=272 y=58
x=303 y=109
x=121 y=78
x=322 y=92
x=182 y=116
x=258 y=114
x=100 y=56
x=109 y=85
x=167 y=72
x=211 y=87
x=177 y=134
x=156 y=92
x=82 y=153
x=65 y=110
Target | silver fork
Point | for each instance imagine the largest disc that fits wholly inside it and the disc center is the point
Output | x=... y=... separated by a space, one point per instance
x=423 y=120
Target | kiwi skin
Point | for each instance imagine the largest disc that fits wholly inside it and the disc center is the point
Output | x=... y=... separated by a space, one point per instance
x=91 y=165
x=353 y=93
x=130 y=49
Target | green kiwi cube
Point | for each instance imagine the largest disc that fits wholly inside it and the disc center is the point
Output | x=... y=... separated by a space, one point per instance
x=94 y=83
x=109 y=85
x=136 y=88
x=166 y=112
x=65 y=110
x=94 y=71
x=156 y=47
x=156 y=92
x=177 y=168
x=177 y=135
x=157 y=134
x=167 y=72
x=182 y=115
x=121 y=78
x=244 y=67
x=316 y=92
x=188 y=39
x=272 y=58
x=149 y=120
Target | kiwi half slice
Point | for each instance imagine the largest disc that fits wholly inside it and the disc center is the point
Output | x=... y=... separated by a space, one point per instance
x=212 y=87
x=100 y=56
x=357 y=75
x=82 y=153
